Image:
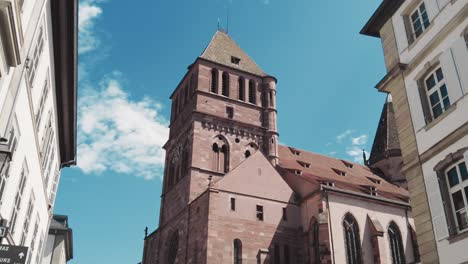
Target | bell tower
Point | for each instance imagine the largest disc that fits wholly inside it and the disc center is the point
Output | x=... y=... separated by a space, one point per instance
x=223 y=110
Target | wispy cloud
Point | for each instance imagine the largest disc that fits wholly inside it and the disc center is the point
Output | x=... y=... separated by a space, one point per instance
x=352 y=144
x=360 y=140
x=89 y=11
x=118 y=133
x=344 y=135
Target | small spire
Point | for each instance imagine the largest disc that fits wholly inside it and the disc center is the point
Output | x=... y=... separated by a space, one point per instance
x=146 y=232
x=364 y=158
x=218 y=23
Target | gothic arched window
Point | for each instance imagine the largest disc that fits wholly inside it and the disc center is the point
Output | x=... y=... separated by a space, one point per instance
x=352 y=240
x=225 y=84
x=396 y=244
x=214 y=81
x=241 y=85
x=220 y=155
x=237 y=251
x=252 y=98
x=173 y=247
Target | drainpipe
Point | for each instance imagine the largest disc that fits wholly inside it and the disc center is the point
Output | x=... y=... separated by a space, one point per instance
x=330 y=226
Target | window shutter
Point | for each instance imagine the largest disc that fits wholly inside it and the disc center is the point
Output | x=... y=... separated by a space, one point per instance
x=424 y=102
x=465 y=155
x=409 y=31
x=450 y=75
x=448 y=227
x=460 y=54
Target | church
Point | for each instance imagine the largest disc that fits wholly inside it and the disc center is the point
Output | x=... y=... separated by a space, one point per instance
x=233 y=194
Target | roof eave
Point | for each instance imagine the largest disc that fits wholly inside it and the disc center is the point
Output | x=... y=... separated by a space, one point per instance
x=385 y=11
x=65 y=39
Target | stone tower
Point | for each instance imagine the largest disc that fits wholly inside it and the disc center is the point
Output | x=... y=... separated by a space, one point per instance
x=385 y=159
x=223 y=110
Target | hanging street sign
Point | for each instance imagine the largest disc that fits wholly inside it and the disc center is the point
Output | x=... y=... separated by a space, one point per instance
x=13 y=254
x=3 y=231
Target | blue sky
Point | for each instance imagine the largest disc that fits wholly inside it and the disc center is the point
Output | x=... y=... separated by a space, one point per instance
x=132 y=55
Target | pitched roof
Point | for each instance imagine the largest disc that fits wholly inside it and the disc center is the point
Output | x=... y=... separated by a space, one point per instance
x=386 y=142
x=326 y=169
x=222 y=47
x=383 y=13
x=253 y=172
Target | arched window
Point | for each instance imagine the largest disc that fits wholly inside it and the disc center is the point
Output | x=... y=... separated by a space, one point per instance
x=352 y=240
x=214 y=81
x=396 y=244
x=225 y=84
x=237 y=251
x=252 y=98
x=173 y=247
x=241 y=85
x=220 y=158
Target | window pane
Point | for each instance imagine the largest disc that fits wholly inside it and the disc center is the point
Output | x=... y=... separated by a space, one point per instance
x=446 y=103
x=437 y=110
x=425 y=19
x=430 y=82
x=458 y=200
x=462 y=219
x=452 y=176
x=443 y=90
x=434 y=98
x=439 y=74
x=414 y=16
x=463 y=172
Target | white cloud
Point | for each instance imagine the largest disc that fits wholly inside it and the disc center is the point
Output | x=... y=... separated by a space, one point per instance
x=356 y=153
x=88 y=12
x=116 y=133
x=360 y=140
x=344 y=135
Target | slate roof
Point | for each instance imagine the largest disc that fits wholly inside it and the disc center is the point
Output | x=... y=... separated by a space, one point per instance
x=322 y=169
x=222 y=47
x=386 y=142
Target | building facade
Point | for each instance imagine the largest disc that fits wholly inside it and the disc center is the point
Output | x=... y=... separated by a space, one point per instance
x=425 y=44
x=232 y=194
x=59 y=246
x=38 y=63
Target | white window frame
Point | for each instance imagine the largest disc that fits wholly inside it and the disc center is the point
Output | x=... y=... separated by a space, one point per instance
x=436 y=89
x=33 y=62
x=18 y=198
x=27 y=219
x=42 y=100
x=458 y=187
x=419 y=12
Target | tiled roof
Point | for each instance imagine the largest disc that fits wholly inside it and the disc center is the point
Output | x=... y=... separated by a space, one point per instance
x=386 y=142
x=323 y=169
x=222 y=47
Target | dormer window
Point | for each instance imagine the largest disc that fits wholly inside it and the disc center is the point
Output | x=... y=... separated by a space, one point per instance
x=347 y=164
x=295 y=152
x=235 y=60
x=376 y=181
x=304 y=164
x=298 y=172
x=372 y=190
x=341 y=173
x=328 y=183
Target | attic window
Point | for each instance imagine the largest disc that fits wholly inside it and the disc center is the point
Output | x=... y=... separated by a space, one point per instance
x=347 y=164
x=295 y=152
x=376 y=181
x=341 y=173
x=235 y=60
x=328 y=183
x=372 y=190
x=304 y=164
x=298 y=172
